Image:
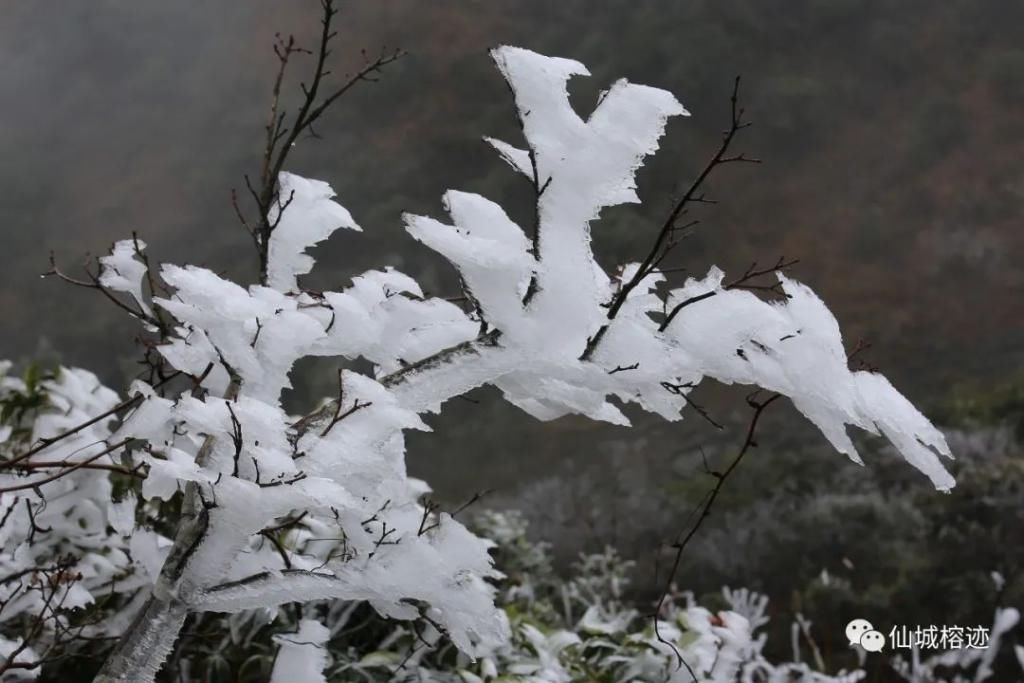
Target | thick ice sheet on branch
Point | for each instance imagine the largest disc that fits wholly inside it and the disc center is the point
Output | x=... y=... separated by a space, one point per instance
x=794 y=347
x=258 y=332
x=581 y=167
x=302 y=655
x=121 y=271
x=385 y=318
x=309 y=216
x=191 y=351
x=396 y=581
x=489 y=249
x=578 y=167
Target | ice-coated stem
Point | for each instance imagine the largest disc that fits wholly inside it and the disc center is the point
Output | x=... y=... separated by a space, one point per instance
x=145 y=645
x=141 y=652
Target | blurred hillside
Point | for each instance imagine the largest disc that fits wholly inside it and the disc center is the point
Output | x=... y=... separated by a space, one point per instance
x=891 y=133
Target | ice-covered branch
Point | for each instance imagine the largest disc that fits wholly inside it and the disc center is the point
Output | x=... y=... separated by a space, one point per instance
x=541 y=332
x=399 y=583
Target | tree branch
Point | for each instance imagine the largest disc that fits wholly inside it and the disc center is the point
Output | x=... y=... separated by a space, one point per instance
x=77 y=466
x=742 y=282
x=704 y=511
x=662 y=241
x=280 y=137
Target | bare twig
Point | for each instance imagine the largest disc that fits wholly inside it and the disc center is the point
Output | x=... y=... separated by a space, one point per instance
x=704 y=511
x=75 y=466
x=49 y=465
x=94 y=283
x=281 y=134
x=624 y=368
x=680 y=390
x=46 y=442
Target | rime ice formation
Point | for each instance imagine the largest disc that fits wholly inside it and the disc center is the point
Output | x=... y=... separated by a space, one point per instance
x=537 y=299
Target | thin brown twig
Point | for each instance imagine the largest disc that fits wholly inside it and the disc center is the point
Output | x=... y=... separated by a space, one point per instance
x=134 y=472
x=76 y=466
x=281 y=135
x=94 y=283
x=682 y=541
x=46 y=442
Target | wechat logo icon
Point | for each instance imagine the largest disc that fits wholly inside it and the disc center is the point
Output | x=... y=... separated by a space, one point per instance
x=861 y=632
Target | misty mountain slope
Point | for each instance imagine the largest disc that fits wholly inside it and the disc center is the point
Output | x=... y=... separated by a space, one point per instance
x=889 y=132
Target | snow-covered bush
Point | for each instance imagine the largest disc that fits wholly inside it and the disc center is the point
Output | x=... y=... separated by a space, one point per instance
x=276 y=508
x=580 y=629
x=64 y=523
